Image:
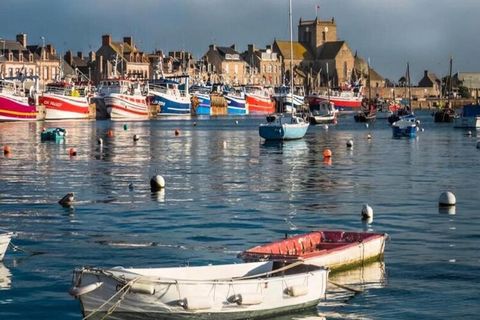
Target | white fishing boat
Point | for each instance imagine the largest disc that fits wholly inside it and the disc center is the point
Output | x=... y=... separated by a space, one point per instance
x=232 y=291
x=4 y=242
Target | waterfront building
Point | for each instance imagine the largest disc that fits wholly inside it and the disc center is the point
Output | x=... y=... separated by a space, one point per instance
x=469 y=80
x=122 y=58
x=17 y=58
x=224 y=64
x=79 y=65
x=263 y=66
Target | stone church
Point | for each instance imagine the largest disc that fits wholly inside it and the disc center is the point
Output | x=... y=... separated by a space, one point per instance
x=318 y=57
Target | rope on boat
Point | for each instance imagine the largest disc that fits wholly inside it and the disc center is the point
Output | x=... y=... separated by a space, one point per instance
x=31 y=253
x=356 y=291
x=110 y=310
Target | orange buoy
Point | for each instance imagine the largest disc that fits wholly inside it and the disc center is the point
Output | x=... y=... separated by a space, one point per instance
x=177 y=132
x=110 y=133
x=72 y=152
x=327 y=153
x=6 y=150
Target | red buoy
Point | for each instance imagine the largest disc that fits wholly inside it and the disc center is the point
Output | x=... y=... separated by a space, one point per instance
x=72 y=152
x=110 y=133
x=6 y=150
x=327 y=153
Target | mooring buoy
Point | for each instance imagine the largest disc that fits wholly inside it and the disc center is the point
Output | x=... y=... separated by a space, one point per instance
x=327 y=153
x=72 y=152
x=369 y=136
x=156 y=183
x=447 y=199
x=100 y=141
x=6 y=150
x=136 y=137
x=367 y=212
x=67 y=200
x=125 y=127
x=350 y=144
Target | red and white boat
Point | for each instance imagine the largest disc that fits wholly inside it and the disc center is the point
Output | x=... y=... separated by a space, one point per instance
x=259 y=100
x=63 y=100
x=344 y=101
x=333 y=249
x=124 y=99
x=15 y=104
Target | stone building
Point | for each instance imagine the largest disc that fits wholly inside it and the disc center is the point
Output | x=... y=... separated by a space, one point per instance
x=263 y=66
x=81 y=66
x=123 y=58
x=225 y=65
x=318 y=47
x=18 y=58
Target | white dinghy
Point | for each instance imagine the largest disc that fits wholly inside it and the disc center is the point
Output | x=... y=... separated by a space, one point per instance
x=4 y=242
x=232 y=291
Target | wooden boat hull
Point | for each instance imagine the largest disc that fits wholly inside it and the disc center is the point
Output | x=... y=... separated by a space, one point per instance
x=144 y=295
x=333 y=249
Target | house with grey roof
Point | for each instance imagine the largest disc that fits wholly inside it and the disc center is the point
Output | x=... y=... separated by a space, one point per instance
x=225 y=65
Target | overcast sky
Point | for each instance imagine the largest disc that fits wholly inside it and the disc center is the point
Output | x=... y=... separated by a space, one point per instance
x=389 y=32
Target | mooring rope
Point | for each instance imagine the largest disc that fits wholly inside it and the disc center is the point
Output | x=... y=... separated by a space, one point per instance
x=17 y=248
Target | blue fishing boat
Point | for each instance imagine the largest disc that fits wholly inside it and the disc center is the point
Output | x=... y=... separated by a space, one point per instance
x=283 y=127
x=405 y=127
x=201 y=101
x=172 y=96
x=236 y=102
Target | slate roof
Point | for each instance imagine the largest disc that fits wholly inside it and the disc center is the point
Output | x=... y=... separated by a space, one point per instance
x=329 y=50
x=226 y=50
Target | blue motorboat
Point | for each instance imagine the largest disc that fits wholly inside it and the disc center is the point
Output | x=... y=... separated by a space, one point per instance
x=172 y=96
x=283 y=127
x=405 y=127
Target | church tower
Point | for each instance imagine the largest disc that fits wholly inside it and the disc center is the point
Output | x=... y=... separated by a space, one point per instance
x=314 y=33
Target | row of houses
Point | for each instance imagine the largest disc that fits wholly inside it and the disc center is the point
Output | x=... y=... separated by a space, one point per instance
x=317 y=59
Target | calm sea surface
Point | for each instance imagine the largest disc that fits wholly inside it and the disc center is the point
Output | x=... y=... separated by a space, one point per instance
x=226 y=190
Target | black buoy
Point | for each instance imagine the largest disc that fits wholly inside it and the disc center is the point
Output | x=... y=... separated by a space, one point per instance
x=67 y=200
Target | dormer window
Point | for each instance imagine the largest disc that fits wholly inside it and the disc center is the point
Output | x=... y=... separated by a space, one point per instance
x=20 y=57
x=10 y=56
x=30 y=57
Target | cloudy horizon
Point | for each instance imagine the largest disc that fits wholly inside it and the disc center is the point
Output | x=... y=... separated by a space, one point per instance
x=390 y=33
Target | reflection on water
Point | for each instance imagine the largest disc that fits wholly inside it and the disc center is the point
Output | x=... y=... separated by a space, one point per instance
x=5 y=277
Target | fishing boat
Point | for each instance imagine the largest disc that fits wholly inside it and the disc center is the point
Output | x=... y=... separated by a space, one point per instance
x=15 y=104
x=283 y=127
x=367 y=113
x=171 y=95
x=63 y=100
x=4 y=242
x=323 y=112
x=347 y=101
x=469 y=118
x=231 y=291
x=201 y=102
x=332 y=249
x=446 y=114
x=124 y=99
x=236 y=102
x=259 y=100
x=405 y=127
x=288 y=100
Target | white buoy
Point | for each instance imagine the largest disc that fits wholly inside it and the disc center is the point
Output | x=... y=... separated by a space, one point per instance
x=469 y=133
x=100 y=141
x=417 y=122
x=236 y=121
x=224 y=144
x=136 y=137
x=366 y=125
x=447 y=199
x=325 y=127
x=350 y=144
x=369 y=136
x=367 y=212
x=67 y=200
x=423 y=129
x=156 y=183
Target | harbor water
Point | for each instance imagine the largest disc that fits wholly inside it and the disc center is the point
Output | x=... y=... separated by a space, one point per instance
x=227 y=190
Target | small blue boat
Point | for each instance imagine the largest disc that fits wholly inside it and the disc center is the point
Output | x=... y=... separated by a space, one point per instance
x=405 y=127
x=172 y=97
x=53 y=134
x=283 y=127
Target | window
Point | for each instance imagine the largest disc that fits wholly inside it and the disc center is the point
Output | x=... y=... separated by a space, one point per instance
x=236 y=69
x=10 y=72
x=226 y=68
x=20 y=57
x=269 y=68
x=10 y=56
x=30 y=57
x=54 y=72
x=45 y=73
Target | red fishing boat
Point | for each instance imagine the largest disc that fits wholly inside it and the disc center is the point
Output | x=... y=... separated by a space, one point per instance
x=63 y=100
x=15 y=103
x=333 y=249
x=259 y=100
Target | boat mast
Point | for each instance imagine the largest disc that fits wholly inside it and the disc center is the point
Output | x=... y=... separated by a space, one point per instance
x=449 y=82
x=369 y=85
x=291 y=49
x=408 y=84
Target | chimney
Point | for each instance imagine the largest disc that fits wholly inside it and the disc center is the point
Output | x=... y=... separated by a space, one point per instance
x=251 y=48
x=91 y=56
x=49 y=48
x=212 y=47
x=106 y=40
x=22 y=38
x=68 y=57
x=426 y=73
x=268 y=47
x=128 y=40
x=80 y=54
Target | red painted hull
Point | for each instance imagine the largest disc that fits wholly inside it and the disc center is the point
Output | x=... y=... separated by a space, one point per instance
x=259 y=105
x=12 y=109
x=341 y=104
x=64 y=107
